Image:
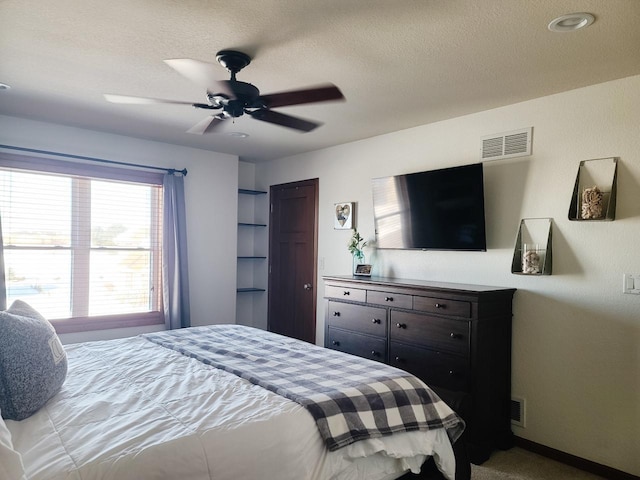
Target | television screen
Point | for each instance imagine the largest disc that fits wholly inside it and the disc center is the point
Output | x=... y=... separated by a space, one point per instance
x=433 y=210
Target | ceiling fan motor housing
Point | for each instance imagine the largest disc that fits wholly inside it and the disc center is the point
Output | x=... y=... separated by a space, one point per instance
x=246 y=96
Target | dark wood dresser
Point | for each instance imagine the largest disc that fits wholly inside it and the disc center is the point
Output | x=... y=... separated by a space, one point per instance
x=455 y=337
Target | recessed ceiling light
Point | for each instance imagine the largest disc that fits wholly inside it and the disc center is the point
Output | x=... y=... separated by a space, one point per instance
x=4 y=86
x=571 y=22
x=238 y=134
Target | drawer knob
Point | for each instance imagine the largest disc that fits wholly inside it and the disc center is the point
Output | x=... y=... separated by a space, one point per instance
x=399 y=360
x=335 y=342
x=388 y=299
x=336 y=314
x=440 y=305
x=374 y=353
x=375 y=320
x=452 y=372
x=346 y=292
x=455 y=335
x=401 y=325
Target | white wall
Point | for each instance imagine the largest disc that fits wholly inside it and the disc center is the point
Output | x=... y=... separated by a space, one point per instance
x=576 y=337
x=211 y=182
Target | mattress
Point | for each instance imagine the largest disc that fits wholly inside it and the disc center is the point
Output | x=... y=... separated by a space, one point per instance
x=132 y=409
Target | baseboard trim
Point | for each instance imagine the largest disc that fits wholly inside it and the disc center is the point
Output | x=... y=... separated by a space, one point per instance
x=574 y=461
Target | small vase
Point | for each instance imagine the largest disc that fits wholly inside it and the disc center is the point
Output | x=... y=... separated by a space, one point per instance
x=531 y=263
x=358 y=258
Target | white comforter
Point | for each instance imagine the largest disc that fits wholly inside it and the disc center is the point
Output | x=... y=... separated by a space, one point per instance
x=131 y=409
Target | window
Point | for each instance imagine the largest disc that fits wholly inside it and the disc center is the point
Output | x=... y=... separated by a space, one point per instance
x=82 y=244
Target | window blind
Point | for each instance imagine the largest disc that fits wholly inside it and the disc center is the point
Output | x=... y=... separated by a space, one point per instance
x=81 y=246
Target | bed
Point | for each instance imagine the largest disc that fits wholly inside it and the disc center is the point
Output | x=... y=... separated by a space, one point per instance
x=226 y=402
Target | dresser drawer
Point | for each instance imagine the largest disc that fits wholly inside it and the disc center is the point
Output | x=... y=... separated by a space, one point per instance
x=356 y=344
x=432 y=367
x=351 y=294
x=455 y=308
x=397 y=300
x=372 y=320
x=433 y=332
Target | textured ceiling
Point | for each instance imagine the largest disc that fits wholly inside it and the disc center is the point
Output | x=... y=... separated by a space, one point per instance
x=399 y=63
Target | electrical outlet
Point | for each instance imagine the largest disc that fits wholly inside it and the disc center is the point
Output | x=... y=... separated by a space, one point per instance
x=631 y=283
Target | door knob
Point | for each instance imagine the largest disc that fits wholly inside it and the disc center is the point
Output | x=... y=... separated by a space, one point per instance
x=307 y=286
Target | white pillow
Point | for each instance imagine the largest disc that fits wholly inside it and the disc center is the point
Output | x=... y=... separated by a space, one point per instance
x=11 y=467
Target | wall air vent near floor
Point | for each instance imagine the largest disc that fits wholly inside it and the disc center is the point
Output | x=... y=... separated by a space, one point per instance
x=517 y=412
x=516 y=143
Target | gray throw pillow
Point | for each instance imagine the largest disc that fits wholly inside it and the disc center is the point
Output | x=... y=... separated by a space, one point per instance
x=33 y=363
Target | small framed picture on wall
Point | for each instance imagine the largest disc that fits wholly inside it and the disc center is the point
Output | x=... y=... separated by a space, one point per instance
x=343 y=219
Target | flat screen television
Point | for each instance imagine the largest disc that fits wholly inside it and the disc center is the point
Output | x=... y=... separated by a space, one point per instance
x=433 y=210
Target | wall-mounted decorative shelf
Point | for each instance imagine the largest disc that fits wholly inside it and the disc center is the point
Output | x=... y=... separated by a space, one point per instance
x=250 y=290
x=532 y=254
x=594 y=193
x=250 y=257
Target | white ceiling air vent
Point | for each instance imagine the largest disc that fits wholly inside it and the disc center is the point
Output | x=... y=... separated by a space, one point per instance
x=516 y=143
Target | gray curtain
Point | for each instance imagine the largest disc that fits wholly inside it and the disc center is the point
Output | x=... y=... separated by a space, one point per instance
x=3 y=288
x=175 y=274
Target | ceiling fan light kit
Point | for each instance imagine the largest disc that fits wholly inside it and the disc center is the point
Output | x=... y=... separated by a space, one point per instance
x=236 y=98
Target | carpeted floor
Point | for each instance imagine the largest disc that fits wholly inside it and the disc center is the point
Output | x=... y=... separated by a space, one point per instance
x=519 y=464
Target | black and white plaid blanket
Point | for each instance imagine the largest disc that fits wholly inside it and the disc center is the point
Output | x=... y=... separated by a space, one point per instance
x=350 y=398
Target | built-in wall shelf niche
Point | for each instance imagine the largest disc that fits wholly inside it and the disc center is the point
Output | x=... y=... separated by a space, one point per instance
x=252 y=241
x=594 y=193
x=532 y=254
x=245 y=224
x=246 y=191
x=250 y=290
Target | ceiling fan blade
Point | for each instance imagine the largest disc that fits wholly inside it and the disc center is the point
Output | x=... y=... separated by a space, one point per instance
x=322 y=93
x=141 y=100
x=201 y=73
x=207 y=124
x=284 y=120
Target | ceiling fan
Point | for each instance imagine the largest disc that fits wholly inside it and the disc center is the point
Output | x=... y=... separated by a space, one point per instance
x=235 y=98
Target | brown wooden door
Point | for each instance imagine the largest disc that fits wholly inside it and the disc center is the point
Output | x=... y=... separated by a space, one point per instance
x=292 y=259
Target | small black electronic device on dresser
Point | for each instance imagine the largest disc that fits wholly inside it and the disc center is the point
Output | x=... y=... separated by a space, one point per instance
x=455 y=337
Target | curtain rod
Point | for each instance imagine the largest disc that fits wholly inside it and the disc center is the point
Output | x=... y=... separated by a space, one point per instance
x=171 y=171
